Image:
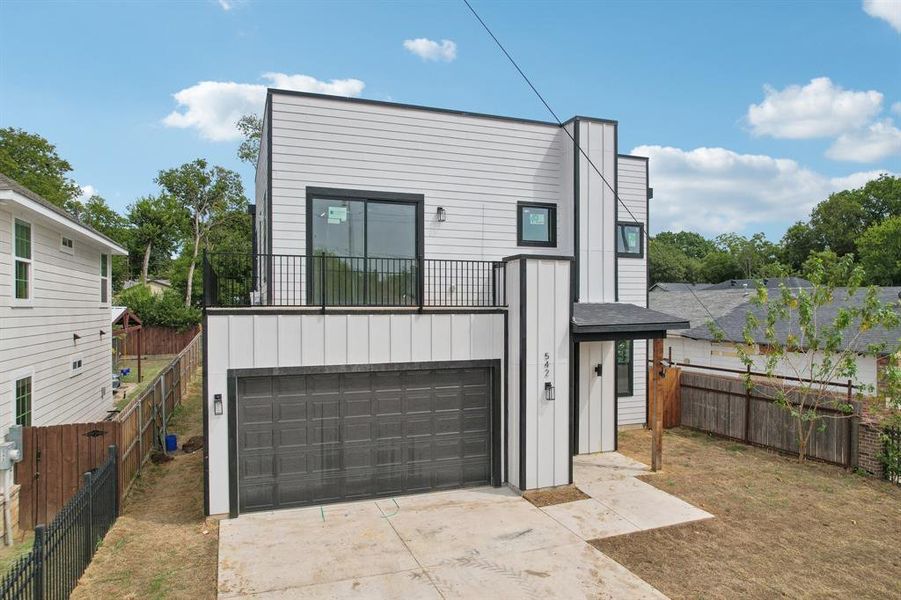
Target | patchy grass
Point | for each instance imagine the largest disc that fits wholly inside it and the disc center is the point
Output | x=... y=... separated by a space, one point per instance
x=555 y=495
x=150 y=368
x=161 y=546
x=782 y=529
x=10 y=554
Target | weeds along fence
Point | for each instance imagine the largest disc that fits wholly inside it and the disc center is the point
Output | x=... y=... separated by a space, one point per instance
x=891 y=454
x=55 y=457
x=63 y=549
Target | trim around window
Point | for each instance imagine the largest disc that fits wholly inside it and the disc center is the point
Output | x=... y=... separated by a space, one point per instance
x=66 y=244
x=22 y=266
x=551 y=242
x=627 y=365
x=623 y=253
x=22 y=409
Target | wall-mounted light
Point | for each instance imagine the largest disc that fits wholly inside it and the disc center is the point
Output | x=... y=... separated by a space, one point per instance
x=441 y=214
x=102 y=333
x=217 y=404
x=548 y=391
x=75 y=337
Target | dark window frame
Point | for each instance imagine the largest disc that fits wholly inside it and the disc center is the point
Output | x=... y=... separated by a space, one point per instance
x=318 y=193
x=552 y=225
x=640 y=253
x=631 y=365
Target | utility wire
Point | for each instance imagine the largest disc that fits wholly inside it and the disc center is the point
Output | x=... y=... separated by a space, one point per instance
x=577 y=145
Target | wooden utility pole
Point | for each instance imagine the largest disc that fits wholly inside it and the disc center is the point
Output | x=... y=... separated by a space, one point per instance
x=657 y=408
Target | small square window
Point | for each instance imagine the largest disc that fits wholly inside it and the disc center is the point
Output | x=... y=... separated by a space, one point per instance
x=536 y=224
x=23 y=401
x=67 y=244
x=76 y=363
x=630 y=240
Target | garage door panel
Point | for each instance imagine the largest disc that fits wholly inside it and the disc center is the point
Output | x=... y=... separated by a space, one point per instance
x=327 y=437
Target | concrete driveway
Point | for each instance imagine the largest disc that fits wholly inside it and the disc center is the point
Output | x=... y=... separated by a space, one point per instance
x=476 y=543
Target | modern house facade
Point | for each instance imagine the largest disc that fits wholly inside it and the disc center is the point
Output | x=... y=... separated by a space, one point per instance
x=55 y=297
x=436 y=299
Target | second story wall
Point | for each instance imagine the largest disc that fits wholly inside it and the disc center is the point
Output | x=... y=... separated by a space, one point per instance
x=477 y=168
x=632 y=274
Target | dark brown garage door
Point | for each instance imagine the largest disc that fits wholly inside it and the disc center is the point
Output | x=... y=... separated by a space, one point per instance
x=311 y=439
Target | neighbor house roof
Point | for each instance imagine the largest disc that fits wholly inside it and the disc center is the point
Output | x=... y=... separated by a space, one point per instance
x=675 y=286
x=38 y=204
x=769 y=282
x=133 y=282
x=698 y=307
x=732 y=324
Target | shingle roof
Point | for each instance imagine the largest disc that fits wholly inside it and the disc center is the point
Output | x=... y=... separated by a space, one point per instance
x=675 y=286
x=7 y=183
x=733 y=322
x=691 y=306
x=617 y=317
x=770 y=282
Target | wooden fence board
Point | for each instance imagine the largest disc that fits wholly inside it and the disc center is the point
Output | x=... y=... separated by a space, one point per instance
x=159 y=340
x=56 y=457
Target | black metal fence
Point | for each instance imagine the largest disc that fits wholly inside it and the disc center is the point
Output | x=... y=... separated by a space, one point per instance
x=64 y=549
x=345 y=281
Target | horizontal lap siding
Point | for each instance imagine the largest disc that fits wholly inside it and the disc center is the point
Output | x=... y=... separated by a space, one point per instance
x=66 y=301
x=476 y=168
x=295 y=340
x=632 y=281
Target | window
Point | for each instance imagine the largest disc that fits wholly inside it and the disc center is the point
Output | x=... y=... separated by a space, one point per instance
x=22 y=253
x=536 y=224
x=67 y=245
x=104 y=278
x=76 y=363
x=630 y=240
x=364 y=250
x=23 y=401
x=624 y=368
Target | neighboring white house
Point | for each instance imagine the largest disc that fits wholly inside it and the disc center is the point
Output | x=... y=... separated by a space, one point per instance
x=55 y=357
x=437 y=299
x=698 y=346
x=157 y=287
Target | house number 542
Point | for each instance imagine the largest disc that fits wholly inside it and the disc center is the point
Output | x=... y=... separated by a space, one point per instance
x=547 y=365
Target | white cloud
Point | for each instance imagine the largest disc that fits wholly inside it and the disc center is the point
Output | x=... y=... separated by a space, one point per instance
x=877 y=141
x=86 y=192
x=428 y=49
x=887 y=10
x=226 y=5
x=715 y=190
x=818 y=109
x=213 y=107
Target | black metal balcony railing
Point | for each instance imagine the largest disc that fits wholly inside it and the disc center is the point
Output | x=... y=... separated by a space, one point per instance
x=232 y=280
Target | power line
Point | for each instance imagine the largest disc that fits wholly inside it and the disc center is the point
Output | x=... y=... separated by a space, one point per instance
x=577 y=145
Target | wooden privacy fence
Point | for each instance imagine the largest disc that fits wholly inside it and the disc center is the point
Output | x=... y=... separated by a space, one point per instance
x=159 y=340
x=724 y=406
x=672 y=407
x=55 y=458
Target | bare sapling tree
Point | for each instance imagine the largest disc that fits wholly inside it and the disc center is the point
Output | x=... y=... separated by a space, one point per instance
x=804 y=341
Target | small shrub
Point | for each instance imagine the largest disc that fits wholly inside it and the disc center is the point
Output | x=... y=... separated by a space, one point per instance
x=163 y=310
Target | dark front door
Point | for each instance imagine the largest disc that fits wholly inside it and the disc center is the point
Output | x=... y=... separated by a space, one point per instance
x=312 y=439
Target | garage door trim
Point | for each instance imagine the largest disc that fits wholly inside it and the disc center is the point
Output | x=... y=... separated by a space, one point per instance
x=493 y=365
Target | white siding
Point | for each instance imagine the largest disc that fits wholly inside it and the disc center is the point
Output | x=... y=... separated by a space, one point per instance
x=296 y=340
x=477 y=168
x=39 y=336
x=632 y=280
x=597 y=220
x=596 y=397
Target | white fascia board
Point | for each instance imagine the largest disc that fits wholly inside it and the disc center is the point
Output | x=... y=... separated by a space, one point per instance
x=12 y=197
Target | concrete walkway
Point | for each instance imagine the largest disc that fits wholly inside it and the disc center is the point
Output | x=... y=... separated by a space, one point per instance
x=476 y=543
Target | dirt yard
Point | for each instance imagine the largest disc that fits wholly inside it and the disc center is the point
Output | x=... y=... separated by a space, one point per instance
x=161 y=546
x=150 y=368
x=781 y=529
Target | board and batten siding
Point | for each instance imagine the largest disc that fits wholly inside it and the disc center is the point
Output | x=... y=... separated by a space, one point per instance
x=38 y=337
x=545 y=356
x=313 y=339
x=477 y=168
x=632 y=281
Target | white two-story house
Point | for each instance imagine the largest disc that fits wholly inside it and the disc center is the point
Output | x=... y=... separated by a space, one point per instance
x=55 y=335
x=436 y=299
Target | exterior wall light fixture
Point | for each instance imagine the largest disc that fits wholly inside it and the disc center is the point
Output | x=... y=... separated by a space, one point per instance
x=548 y=391
x=441 y=214
x=217 y=404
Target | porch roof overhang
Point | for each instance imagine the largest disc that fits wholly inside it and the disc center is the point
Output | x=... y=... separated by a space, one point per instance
x=600 y=321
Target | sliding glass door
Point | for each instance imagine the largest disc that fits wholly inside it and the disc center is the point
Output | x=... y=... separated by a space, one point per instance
x=363 y=252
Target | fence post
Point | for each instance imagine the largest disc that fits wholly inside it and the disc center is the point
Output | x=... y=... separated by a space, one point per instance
x=748 y=405
x=322 y=281
x=163 y=408
x=38 y=553
x=140 y=411
x=113 y=454
x=89 y=530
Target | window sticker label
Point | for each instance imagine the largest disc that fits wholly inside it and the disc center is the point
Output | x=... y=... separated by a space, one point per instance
x=536 y=219
x=632 y=237
x=337 y=214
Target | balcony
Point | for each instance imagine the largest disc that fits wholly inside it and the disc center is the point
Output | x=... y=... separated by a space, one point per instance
x=323 y=281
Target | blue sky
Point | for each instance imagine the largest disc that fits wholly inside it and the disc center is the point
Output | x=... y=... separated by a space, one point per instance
x=751 y=112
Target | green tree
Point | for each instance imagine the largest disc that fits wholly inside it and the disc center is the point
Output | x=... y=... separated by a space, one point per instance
x=97 y=214
x=251 y=128
x=669 y=263
x=156 y=222
x=720 y=266
x=692 y=244
x=838 y=221
x=880 y=199
x=163 y=310
x=792 y=323
x=796 y=245
x=206 y=194
x=33 y=162
x=880 y=251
